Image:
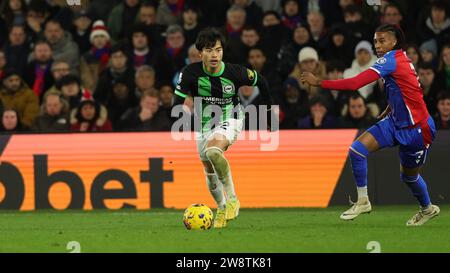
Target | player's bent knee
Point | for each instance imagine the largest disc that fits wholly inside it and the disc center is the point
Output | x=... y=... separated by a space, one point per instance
x=213 y=154
x=409 y=178
x=358 y=149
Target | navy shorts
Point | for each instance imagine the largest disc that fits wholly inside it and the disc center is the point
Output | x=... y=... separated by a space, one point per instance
x=413 y=142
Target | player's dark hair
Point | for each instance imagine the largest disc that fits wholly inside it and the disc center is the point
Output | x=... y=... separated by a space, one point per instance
x=208 y=37
x=397 y=31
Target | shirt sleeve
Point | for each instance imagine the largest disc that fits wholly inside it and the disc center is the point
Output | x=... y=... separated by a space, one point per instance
x=183 y=88
x=248 y=77
x=385 y=65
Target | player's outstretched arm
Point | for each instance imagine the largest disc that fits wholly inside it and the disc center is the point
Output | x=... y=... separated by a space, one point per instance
x=354 y=83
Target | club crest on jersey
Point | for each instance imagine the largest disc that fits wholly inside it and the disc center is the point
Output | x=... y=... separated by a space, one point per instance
x=381 y=60
x=228 y=89
x=250 y=74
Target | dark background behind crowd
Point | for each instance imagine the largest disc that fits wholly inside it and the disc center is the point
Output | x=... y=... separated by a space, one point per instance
x=111 y=65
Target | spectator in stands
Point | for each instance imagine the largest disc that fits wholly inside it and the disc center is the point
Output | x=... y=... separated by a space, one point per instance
x=96 y=60
x=237 y=50
x=337 y=100
x=392 y=14
x=412 y=51
x=443 y=73
x=273 y=35
x=63 y=47
x=193 y=57
x=54 y=115
x=101 y=9
x=71 y=90
x=236 y=17
x=17 y=49
x=308 y=61
x=426 y=78
x=37 y=15
x=267 y=5
x=330 y=9
x=118 y=69
x=15 y=94
x=87 y=116
x=13 y=11
x=147 y=116
x=291 y=15
x=253 y=11
x=119 y=102
x=318 y=117
x=357 y=28
x=316 y=23
x=249 y=95
x=82 y=21
x=364 y=58
x=169 y=12
x=11 y=122
x=147 y=17
x=437 y=24
x=442 y=117
x=293 y=105
x=3 y=63
x=3 y=32
x=429 y=52
x=250 y=99
x=38 y=75
x=122 y=18
x=339 y=46
x=59 y=69
x=287 y=56
x=145 y=53
x=358 y=115
x=258 y=61
x=166 y=98
x=176 y=46
x=190 y=23
x=145 y=80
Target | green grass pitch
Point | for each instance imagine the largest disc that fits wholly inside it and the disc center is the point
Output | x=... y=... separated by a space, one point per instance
x=256 y=230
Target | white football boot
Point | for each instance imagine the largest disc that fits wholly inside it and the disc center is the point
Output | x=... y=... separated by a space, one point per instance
x=362 y=206
x=423 y=216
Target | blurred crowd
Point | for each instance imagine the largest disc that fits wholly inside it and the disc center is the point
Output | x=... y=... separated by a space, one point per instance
x=111 y=65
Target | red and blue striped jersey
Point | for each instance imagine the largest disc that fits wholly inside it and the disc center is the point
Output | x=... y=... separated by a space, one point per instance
x=402 y=87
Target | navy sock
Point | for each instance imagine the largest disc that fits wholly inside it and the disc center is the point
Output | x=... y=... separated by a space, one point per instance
x=358 y=156
x=418 y=187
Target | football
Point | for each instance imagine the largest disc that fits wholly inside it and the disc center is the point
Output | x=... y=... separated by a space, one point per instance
x=198 y=217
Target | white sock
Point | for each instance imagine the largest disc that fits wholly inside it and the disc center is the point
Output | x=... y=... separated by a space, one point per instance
x=362 y=192
x=216 y=189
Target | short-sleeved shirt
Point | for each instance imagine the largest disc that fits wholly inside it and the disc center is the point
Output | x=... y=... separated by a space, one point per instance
x=402 y=87
x=219 y=89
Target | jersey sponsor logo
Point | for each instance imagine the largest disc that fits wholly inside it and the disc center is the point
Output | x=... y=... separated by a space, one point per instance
x=381 y=60
x=250 y=74
x=215 y=100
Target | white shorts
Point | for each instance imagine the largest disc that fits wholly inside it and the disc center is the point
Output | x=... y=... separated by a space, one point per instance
x=230 y=128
